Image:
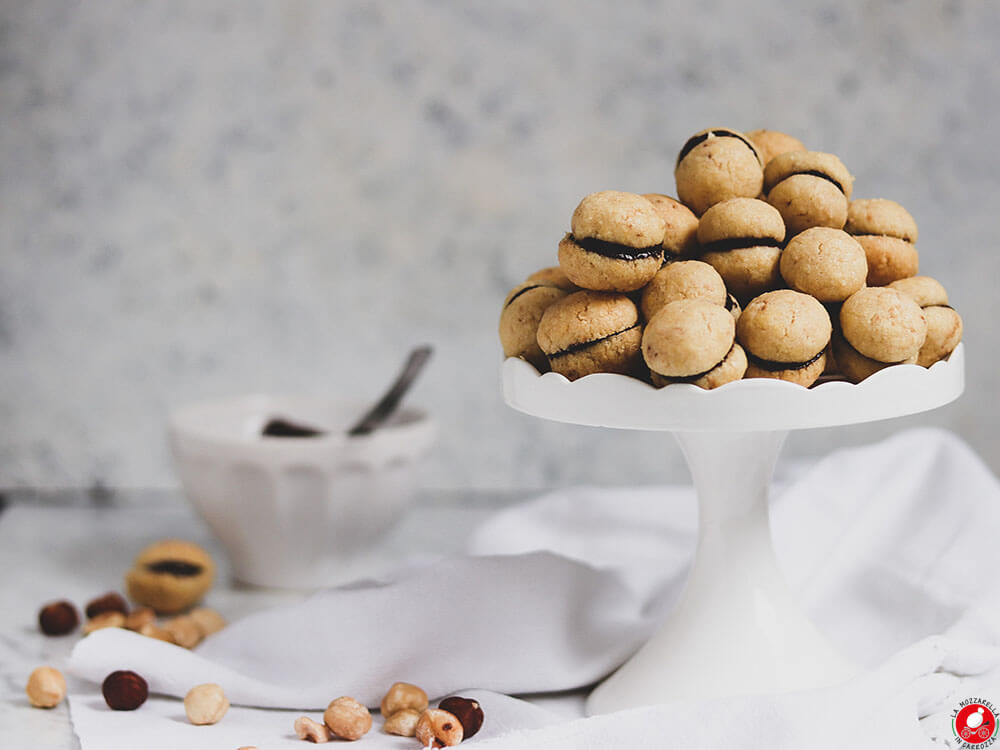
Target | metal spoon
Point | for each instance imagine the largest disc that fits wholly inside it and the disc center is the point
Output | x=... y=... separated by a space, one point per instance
x=387 y=405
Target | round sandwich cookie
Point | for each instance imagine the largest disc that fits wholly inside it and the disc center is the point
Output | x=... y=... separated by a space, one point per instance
x=522 y=312
x=680 y=237
x=553 y=276
x=882 y=324
x=615 y=244
x=692 y=341
x=588 y=332
x=944 y=324
x=771 y=143
x=855 y=366
x=888 y=234
x=827 y=263
x=741 y=238
x=785 y=334
x=683 y=279
x=809 y=189
x=715 y=165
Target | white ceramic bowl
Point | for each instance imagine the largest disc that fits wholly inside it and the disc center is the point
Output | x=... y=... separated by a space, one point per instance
x=296 y=512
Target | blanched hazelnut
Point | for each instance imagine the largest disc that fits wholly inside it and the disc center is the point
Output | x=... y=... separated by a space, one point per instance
x=467 y=711
x=347 y=718
x=310 y=730
x=58 y=618
x=142 y=616
x=46 y=687
x=183 y=630
x=403 y=723
x=152 y=630
x=439 y=728
x=111 y=619
x=208 y=621
x=403 y=695
x=205 y=704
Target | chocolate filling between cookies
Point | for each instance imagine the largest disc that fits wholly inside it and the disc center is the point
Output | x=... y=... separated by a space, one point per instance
x=772 y=366
x=179 y=568
x=821 y=175
x=699 y=375
x=526 y=289
x=699 y=139
x=740 y=243
x=617 y=251
x=573 y=348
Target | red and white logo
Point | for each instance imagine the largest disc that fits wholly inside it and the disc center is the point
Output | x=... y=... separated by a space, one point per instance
x=974 y=723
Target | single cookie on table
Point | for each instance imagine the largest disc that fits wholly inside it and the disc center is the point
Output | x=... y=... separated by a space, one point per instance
x=692 y=341
x=785 y=334
x=827 y=263
x=771 y=143
x=888 y=234
x=944 y=324
x=615 y=244
x=680 y=237
x=587 y=332
x=522 y=312
x=715 y=165
x=809 y=189
x=881 y=324
x=741 y=238
x=553 y=276
x=170 y=576
x=683 y=279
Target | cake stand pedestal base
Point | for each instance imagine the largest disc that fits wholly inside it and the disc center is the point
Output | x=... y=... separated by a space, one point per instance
x=737 y=629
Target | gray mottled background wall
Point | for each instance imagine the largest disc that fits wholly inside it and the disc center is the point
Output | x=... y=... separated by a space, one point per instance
x=207 y=198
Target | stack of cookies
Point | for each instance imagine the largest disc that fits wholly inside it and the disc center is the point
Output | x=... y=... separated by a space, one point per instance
x=762 y=268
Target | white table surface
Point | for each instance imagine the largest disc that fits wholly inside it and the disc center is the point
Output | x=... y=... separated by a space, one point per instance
x=75 y=546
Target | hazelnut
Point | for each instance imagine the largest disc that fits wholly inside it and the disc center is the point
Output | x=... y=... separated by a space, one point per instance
x=58 y=618
x=310 y=730
x=438 y=728
x=110 y=602
x=46 y=687
x=110 y=619
x=183 y=630
x=142 y=616
x=347 y=718
x=403 y=695
x=124 y=690
x=403 y=723
x=205 y=704
x=467 y=711
x=208 y=621
x=152 y=630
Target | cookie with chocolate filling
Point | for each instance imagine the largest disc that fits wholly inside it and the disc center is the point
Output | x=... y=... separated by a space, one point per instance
x=882 y=324
x=944 y=324
x=827 y=263
x=522 y=312
x=888 y=234
x=741 y=238
x=785 y=334
x=683 y=279
x=809 y=189
x=588 y=332
x=771 y=143
x=680 y=237
x=692 y=341
x=553 y=276
x=855 y=366
x=715 y=165
x=170 y=576
x=615 y=243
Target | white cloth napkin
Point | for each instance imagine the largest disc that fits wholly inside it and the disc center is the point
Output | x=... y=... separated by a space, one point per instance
x=885 y=545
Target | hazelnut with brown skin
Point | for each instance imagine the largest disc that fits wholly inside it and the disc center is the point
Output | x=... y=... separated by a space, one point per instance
x=124 y=690
x=467 y=711
x=205 y=704
x=403 y=695
x=46 y=687
x=402 y=723
x=112 y=619
x=109 y=602
x=438 y=728
x=312 y=731
x=347 y=718
x=58 y=618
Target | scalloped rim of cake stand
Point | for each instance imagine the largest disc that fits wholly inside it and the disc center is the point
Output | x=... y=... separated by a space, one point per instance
x=757 y=404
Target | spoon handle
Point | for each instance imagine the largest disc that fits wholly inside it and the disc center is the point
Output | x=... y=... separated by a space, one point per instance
x=388 y=403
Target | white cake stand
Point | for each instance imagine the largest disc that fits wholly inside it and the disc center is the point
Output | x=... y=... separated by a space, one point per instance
x=737 y=629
